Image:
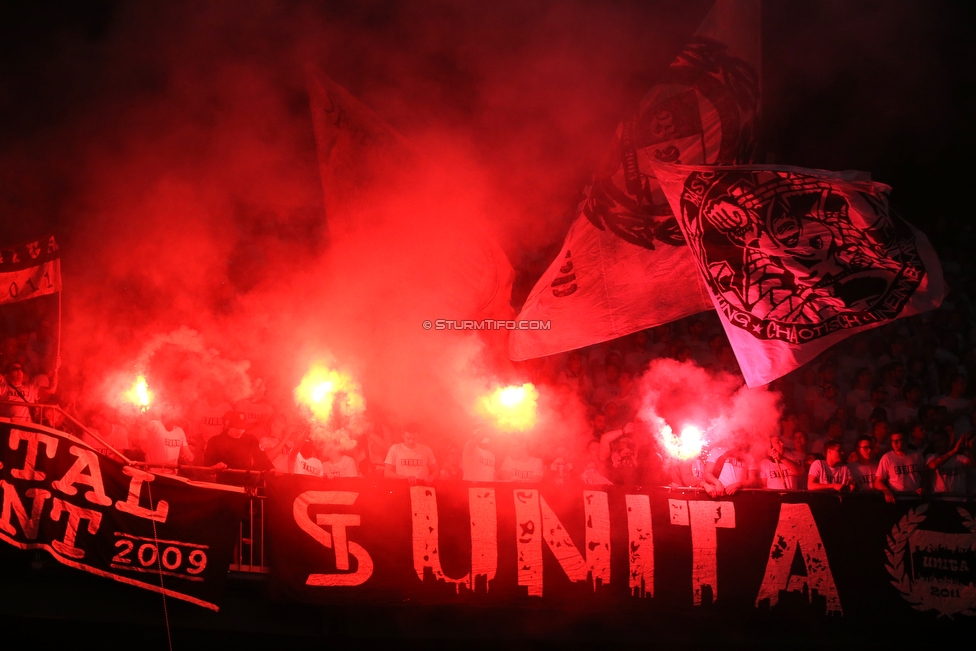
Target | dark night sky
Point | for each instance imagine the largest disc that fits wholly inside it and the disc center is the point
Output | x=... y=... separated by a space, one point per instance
x=884 y=86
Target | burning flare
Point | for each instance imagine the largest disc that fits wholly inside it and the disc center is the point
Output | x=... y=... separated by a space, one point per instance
x=512 y=408
x=140 y=395
x=687 y=445
x=322 y=388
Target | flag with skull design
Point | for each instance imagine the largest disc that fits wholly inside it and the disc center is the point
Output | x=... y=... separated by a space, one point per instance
x=795 y=260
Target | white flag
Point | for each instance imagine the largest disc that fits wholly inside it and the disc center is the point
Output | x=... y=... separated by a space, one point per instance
x=796 y=260
x=30 y=270
x=624 y=265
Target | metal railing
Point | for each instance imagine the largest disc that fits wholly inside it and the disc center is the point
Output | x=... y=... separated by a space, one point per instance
x=249 y=554
x=250 y=551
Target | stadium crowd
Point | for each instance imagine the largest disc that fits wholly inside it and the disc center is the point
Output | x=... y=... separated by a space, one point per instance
x=890 y=409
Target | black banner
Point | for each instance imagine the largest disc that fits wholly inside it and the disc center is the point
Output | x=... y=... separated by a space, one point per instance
x=30 y=270
x=29 y=254
x=573 y=546
x=154 y=531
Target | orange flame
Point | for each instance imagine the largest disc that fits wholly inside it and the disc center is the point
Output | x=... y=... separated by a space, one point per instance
x=512 y=408
x=140 y=395
x=687 y=445
x=322 y=386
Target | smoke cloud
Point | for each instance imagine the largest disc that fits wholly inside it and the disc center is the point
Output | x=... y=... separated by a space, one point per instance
x=170 y=147
x=726 y=411
x=175 y=158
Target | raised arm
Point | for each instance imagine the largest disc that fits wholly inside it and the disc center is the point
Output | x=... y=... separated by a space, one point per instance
x=935 y=462
x=607 y=439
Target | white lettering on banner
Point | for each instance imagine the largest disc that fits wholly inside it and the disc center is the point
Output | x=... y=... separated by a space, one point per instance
x=171 y=553
x=796 y=530
x=704 y=518
x=337 y=540
x=640 y=543
x=535 y=521
x=75 y=515
x=20 y=285
x=528 y=519
x=131 y=504
x=33 y=439
x=13 y=505
x=86 y=459
x=484 y=535
x=596 y=510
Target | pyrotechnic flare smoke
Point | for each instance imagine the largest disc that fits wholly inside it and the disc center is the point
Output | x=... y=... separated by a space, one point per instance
x=182 y=369
x=339 y=438
x=511 y=408
x=684 y=446
x=323 y=388
x=140 y=395
x=716 y=409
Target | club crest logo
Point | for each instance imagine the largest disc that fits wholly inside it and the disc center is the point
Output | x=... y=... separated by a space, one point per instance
x=794 y=257
x=934 y=570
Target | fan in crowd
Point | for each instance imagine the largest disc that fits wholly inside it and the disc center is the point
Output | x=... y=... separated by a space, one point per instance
x=889 y=409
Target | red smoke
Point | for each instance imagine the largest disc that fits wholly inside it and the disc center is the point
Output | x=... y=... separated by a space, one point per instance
x=189 y=194
x=179 y=165
x=719 y=404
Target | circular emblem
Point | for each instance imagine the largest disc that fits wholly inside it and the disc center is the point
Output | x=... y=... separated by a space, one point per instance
x=933 y=570
x=795 y=257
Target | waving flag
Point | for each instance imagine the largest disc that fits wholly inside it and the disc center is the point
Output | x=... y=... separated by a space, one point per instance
x=30 y=270
x=796 y=260
x=358 y=153
x=624 y=265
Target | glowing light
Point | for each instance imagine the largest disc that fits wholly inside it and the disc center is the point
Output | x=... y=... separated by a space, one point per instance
x=139 y=394
x=511 y=396
x=319 y=392
x=687 y=445
x=323 y=388
x=512 y=409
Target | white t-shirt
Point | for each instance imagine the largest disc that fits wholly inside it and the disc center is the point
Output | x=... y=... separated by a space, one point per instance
x=529 y=470
x=310 y=466
x=414 y=463
x=950 y=477
x=254 y=411
x=863 y=474
x=478 y=464
x=206 y=421
x=163 y=446
x=799 y=458
x=824 y=474
x=777 y=476
x=735 y=471
x=903 y=473
x=344 y=467
x=281 y=461
x=118 y=438
x=8 y=393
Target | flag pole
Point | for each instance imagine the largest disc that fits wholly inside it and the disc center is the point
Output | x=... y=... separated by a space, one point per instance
x=59 y=324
